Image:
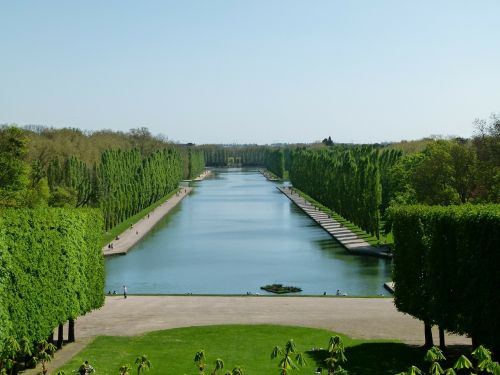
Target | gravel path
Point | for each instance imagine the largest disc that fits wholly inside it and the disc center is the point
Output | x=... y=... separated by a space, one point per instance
x=364 y=318
x=134 y=234
x=367 y=318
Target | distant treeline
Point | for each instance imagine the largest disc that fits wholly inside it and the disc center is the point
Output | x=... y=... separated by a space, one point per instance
x=271 y=157
x=361 y=182
x=121 y=173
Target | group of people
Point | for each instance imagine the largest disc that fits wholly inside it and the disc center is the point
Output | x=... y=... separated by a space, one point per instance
x=85 y=368
x=114 y=292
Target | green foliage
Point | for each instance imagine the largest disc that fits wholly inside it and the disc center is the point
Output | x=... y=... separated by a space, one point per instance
x=446 y=262
x=172 y=351
x=44 y=354
x=51 y=269
x=250 y=155
x=286 y=357
x=125 y=369
x=14 y=170
x=128 y=183
x=275 y=162
x=196 y=162
x=347 y=180
x=448 y=172
x=336 y=356
x=199 y=360
x=481 y=356
x=143 y=364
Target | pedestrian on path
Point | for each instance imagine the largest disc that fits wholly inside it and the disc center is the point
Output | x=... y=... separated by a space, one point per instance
x=124 y=291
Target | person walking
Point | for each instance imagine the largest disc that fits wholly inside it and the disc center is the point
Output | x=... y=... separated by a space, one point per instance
x=124 y=291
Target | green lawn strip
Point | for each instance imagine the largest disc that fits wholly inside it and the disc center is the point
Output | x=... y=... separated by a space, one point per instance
x=172 y=351
x=372 y=240
x=124 y=225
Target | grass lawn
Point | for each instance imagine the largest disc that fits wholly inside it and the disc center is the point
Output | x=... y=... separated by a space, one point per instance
x=171 y=352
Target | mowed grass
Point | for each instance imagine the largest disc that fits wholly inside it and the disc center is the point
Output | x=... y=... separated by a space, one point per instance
x=249 y=346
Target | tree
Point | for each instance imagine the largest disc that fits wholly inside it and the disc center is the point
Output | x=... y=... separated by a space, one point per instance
x=336 y=356
x=44 y=354
x=434 y=177
x=286 y=362
x=125 y=369
x=218 y=366
x=143 y=364
x=14 y=170
x=481 y=357
x=199 y=360
x=327 y=142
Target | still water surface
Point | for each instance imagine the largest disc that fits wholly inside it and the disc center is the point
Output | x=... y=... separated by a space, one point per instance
x=235 y=233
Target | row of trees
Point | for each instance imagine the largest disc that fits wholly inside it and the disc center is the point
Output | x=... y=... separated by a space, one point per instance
x=122 y=181
x=346 y=179
x=275 y=162
x=196 y=162
x=446 y=263
x=51 y=269
x=250 y=155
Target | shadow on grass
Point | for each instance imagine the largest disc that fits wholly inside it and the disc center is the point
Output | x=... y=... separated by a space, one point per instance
x=375 y=358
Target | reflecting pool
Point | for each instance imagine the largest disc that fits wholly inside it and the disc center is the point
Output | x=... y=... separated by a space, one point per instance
x=235 y=233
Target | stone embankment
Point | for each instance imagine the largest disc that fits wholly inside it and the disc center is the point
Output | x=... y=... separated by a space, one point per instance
x=343 y=235
x=268 y=175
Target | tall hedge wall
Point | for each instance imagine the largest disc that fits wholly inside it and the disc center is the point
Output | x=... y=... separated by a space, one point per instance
x=447 y=267
x=196 y=162
x=275 y=162
x=51 y=268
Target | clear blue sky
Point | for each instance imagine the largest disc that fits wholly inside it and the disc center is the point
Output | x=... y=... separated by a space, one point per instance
x=258 y=71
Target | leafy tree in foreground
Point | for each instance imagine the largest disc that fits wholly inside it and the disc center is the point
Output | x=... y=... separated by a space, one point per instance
x=199 y=360
x=143 y=364
x=44 y=354
x=218 y=366
x=125 y=369
x=286 y=357
x=483 y=364
x=336 y=356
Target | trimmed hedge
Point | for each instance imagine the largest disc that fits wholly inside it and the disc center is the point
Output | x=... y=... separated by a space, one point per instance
x=196 y=160
x=275 y=162
x=346 y=179
x=51 y=269
x=447 y=267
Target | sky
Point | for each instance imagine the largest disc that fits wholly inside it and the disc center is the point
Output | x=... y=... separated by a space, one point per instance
x=255 y=71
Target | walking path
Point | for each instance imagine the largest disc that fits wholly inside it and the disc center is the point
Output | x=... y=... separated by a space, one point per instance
x=363 y=318
x=348 y=239
x=202 y=176
x=134 y=234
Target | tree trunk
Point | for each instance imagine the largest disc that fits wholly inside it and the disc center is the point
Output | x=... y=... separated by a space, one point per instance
x=429 y=342
x=442 y=343
x=50 y=339
x=60 y=337
x=71 y=330
x=475 y=342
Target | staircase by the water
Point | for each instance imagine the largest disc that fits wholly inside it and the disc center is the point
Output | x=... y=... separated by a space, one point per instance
x=343 y=235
